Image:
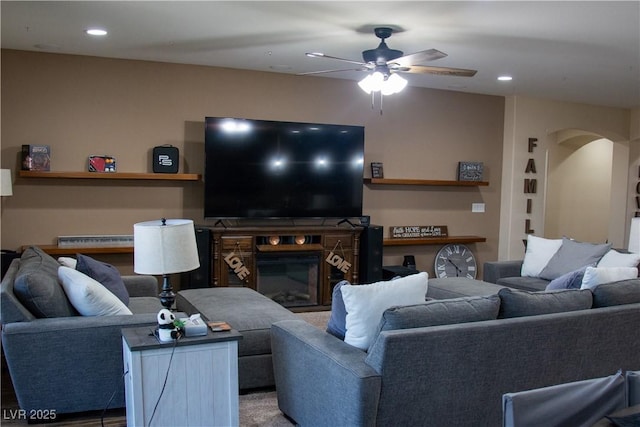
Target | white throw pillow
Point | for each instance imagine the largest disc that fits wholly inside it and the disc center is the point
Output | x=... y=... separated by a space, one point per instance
x=68 y=262
x=88 y=296
x=539 y=252
x=614 y=258
x=366 y=303
x=595 y=276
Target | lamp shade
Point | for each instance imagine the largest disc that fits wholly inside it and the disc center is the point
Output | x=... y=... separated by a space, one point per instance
x=6 y=189
x=165 y=247
x=634 y=235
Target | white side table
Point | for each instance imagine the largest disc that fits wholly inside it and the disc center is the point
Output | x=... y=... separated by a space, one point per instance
x=202 y=384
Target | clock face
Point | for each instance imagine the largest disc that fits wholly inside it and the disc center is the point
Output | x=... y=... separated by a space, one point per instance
x=455 y=260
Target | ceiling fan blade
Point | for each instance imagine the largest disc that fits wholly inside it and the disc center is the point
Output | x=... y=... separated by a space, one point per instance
x=322 y=55
x=418 y=57
x=332 y=71
x=441 y=71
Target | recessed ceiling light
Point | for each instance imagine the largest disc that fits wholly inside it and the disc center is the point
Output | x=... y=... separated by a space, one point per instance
x=96 y=32
x=505 y=78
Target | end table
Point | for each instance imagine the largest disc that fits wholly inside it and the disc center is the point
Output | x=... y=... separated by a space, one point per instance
x=201 y=385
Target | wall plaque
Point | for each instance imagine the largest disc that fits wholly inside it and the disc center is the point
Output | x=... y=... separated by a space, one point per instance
x=377 y=170
x=418 y=231
x=470 y=171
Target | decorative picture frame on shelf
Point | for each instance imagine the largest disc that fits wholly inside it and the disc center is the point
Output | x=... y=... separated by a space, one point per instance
x=376 y=170
x=470 y=171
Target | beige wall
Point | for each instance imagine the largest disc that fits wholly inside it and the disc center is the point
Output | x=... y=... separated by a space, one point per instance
x=545 y=120
x=579 y=180
x=83 y=106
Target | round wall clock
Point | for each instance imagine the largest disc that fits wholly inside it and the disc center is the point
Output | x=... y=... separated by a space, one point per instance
x=455 y=260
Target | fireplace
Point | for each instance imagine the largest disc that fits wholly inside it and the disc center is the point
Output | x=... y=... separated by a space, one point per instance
x=291 y=279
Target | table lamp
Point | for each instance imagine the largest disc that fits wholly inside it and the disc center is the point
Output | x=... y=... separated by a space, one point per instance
x=6 y=189
x=163 y=247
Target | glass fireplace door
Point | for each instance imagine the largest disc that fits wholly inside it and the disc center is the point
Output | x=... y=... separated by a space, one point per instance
x=290 y=279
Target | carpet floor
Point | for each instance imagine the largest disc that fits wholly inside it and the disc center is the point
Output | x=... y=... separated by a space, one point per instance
x=258 y=409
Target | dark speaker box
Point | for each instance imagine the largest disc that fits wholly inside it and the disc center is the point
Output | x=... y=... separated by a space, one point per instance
x=200 y=277
x=371 y=254
x=165 y=159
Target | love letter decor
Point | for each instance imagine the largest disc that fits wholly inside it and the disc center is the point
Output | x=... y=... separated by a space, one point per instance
x=338 y=261
x=236 y=263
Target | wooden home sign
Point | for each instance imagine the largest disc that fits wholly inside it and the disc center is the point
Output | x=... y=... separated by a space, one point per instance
x=418 y=231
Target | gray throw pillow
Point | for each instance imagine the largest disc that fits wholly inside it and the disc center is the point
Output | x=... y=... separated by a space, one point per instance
x=441 y=312
x=105 y=274
x=36 y=285
x=516 y=303
x=571 y=280
x=336 y=325
x=572 y=256
x=617 y=293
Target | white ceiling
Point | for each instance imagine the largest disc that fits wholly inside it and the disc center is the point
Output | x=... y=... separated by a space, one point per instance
x=580 y=51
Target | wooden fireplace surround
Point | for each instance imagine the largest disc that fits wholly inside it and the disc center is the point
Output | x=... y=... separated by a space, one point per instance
x=237 y=247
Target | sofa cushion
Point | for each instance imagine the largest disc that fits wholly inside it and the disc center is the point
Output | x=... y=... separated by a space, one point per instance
x=441 y=312
x=524 y=283
x=456 y=287
x=37 y=287
x=595 y=276
x=539 y=252
x=573 y=255
x=88 y=296
x=366 y=303
x=106 y=274
x=141 y=305
x=516 y=303
x=617 y=293
x=336 y=325
x=570 y=280
x=614 y=258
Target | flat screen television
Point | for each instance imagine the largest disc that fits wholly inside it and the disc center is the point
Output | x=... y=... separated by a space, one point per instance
x=274 y=169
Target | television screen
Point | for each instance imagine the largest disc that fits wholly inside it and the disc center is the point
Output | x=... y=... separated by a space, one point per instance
x=270 y=169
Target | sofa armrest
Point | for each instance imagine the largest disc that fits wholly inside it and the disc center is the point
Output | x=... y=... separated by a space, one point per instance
x=341 y=389
x=68 y=364
x=494 y=270
x=141 y=286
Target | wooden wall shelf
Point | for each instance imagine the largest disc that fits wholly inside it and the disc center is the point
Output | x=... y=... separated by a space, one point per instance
x=425 y=182
x=55 y=250
x=433 y=241
x=112 y=175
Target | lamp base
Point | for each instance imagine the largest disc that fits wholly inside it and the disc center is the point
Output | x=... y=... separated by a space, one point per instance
x=167 y=297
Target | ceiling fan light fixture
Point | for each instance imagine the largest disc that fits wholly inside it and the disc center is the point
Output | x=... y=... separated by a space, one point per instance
x=394 y=84
x=373 y=82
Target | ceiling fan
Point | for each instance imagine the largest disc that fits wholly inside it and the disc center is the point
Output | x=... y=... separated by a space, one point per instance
x=382 y=64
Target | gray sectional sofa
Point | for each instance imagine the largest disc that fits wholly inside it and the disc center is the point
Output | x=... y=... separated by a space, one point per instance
x=456 y=374
x=66 y=363
x=507 y=273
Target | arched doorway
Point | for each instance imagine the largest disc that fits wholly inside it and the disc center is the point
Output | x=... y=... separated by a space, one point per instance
x=581 y=187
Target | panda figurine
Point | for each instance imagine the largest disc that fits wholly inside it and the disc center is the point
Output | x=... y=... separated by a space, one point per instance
x=167 y=330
